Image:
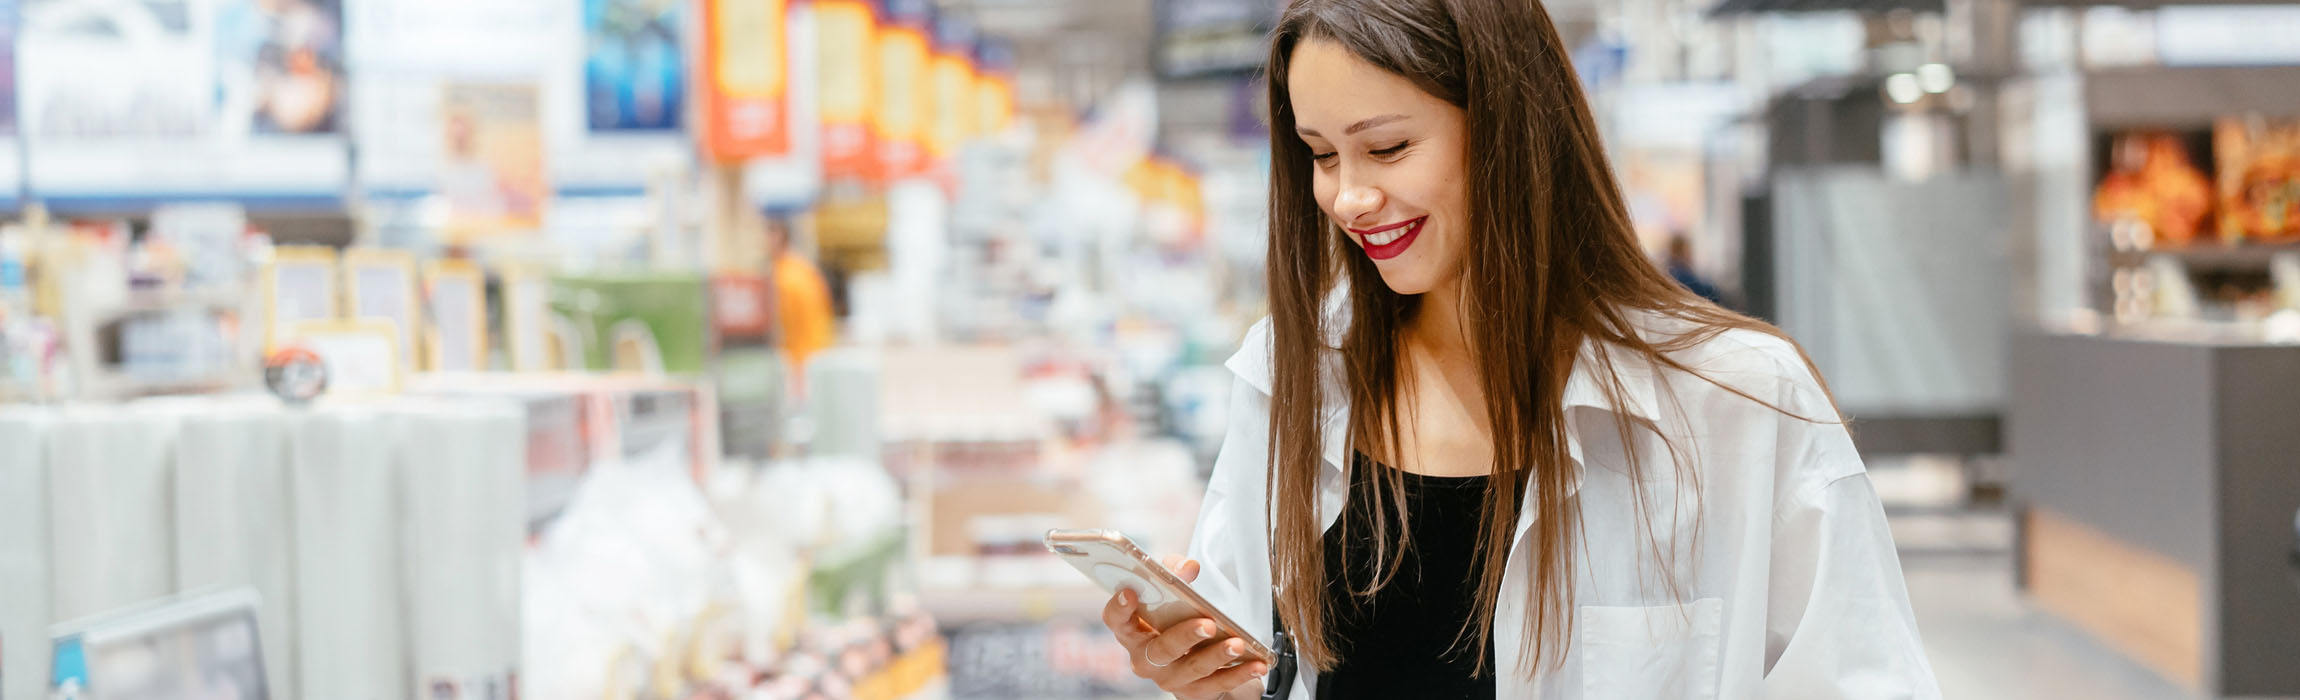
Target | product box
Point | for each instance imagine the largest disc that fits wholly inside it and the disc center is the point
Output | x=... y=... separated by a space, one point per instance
x=350 y=626
x=24 y=614
x=461 y=478
x=235 y=523
x=652 y=323
x=111 y=507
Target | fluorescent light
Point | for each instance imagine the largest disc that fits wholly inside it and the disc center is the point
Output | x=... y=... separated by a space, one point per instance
x=1903 y=88
x=1936 y=78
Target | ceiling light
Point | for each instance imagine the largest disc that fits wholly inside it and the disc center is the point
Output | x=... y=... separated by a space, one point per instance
x=1903 y=88
x=1936 y=77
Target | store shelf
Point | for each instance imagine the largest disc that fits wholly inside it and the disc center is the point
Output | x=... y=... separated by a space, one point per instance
x=2210 y=257
x=2143 y=4
x=949 y=605
x=2160 y=97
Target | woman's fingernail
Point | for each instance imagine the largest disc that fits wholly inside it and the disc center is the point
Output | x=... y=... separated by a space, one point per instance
x=1205 y=633
x=1231 y=650
x=1126 y=598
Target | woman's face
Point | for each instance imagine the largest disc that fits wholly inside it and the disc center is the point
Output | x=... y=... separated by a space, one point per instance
x=1387 y=164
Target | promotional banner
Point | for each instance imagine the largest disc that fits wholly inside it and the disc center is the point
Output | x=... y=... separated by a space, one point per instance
x=993 y=103
x=1197 y=38
x=848 y=90
x=952 y=73
x=745 y=110
x=145 y=99
x=633 y=70
x=599 y=141
x=993 y=87
x=904 y=94
x=8 y=30
x=492 y=176
x=280 y=66
x=9 y=26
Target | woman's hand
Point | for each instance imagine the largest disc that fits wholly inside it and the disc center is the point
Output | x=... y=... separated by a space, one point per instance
x=1187 y=659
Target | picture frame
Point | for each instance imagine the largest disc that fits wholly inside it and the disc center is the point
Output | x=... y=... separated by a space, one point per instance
x=380 y=284
x=455 y=294
x=300 y=284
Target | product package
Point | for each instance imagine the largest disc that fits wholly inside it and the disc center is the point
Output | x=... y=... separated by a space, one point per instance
x=651 y=323
x=349 y=632
x=111 y=509
x=462 y=467
x=24 y=612
x=2259 y=163
x=235 y=523
x=2153 y=180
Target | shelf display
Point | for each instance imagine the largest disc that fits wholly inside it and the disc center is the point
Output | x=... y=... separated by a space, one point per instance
x=2259 y=182
x=651 y=323
x=2153 y=180
x=2176 y=247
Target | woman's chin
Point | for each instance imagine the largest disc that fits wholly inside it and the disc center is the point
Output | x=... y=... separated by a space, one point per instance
x=1408 y=282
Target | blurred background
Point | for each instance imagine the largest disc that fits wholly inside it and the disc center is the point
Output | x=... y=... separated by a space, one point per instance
x=447 y=349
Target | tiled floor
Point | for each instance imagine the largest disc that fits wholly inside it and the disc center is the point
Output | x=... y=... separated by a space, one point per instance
x=1987 y=643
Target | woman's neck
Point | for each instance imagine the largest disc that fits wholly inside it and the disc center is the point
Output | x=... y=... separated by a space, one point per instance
x=1437 y=326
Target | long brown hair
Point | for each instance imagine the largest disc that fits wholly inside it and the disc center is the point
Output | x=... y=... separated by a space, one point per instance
x=1551 y=262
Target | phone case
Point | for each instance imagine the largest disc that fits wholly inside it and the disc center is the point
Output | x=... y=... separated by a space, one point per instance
x=1115 y=563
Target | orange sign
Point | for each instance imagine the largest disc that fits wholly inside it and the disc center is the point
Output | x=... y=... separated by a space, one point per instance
x=993 y=103
x=953 y=122
x=846 y=31
x=904 y=96
x=746 y=79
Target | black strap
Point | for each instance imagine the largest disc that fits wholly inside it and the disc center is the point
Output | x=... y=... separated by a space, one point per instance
x=1280 y=681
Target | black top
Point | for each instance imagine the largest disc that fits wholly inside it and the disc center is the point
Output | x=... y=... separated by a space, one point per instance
x=1397 y=644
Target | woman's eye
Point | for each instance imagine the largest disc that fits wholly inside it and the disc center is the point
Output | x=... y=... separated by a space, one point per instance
x=1323 y=157
x=1391 y=151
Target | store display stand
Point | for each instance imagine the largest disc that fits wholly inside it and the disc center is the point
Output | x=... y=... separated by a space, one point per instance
x=2155 y=490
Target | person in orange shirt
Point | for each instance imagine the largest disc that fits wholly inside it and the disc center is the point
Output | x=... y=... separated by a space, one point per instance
x=802 y=300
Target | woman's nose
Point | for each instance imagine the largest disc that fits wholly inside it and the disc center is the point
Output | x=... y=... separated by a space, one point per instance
x=1355 y=202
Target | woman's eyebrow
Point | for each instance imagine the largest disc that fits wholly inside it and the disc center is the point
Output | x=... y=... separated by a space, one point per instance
x=1362 y=125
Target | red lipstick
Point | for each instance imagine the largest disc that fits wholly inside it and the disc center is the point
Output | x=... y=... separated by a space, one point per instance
x=1394 y=242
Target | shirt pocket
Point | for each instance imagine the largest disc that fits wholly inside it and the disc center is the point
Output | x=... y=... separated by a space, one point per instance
x=1661 y=652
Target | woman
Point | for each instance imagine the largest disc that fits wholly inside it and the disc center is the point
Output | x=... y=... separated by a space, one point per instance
x=1482 y=447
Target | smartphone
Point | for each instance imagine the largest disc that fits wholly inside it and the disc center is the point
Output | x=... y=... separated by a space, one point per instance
x=1115 y=563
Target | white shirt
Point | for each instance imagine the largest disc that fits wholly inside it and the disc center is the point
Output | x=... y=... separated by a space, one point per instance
x=1791 y=590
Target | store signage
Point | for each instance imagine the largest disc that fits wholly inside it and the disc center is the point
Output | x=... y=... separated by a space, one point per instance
x=492 y=173
x=745 y=110
x=1212 y=37
x=952 y=75
x=993 y=103
x=634 y=69
x=904 y=96
x=8 y=32
x=152 y=100
x=846 y=32
x=2228 y=35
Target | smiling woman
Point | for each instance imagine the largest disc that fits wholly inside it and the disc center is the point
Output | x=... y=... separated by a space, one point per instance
x=1382 y=176
x=1482 y=447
